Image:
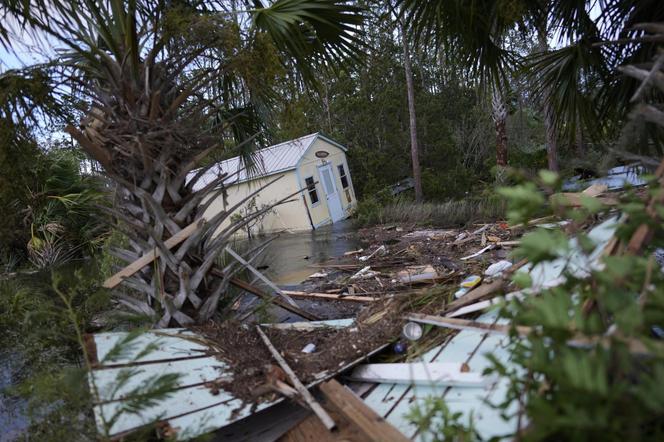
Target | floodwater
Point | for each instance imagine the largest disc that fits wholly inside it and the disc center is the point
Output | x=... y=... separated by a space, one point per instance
x=292 y=257
x=12 y=410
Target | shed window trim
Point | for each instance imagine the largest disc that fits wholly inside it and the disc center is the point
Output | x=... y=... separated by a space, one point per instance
x=342 y=176
x=311 y=189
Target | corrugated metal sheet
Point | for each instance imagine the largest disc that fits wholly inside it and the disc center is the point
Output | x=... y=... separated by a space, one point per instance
x=270 y=160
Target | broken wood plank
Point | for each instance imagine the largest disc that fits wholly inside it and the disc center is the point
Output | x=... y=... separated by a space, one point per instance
x=465 y=324
x=477 y=294
x=595 y=190
x=260 y=276
x=146 y=259
x=308 y=398
x=330 y=296
x=278 y=301
x=374 y=427
x=450 y=374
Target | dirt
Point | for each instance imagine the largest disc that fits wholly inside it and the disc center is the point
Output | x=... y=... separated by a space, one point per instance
x=250 y=362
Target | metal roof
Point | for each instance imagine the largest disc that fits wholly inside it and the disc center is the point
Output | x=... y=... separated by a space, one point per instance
x=268 y=161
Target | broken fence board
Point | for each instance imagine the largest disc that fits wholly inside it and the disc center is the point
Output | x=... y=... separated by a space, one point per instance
x=374 y=427
x=298 y=294
x=437 y=373
x=311 y=325
x=146 y=259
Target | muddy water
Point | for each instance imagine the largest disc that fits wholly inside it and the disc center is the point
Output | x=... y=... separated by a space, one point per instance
x=12 y=410
x=291 y=256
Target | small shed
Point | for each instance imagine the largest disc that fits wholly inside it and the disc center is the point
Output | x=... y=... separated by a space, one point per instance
x=313 y=163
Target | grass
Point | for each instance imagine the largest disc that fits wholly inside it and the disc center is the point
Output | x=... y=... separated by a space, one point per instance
x=446 y=214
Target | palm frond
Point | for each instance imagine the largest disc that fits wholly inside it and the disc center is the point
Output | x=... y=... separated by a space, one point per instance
x=314 y=33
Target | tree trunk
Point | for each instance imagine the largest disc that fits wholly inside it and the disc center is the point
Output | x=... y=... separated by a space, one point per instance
x=499 y=115
x=549 y=117
x=410 y=89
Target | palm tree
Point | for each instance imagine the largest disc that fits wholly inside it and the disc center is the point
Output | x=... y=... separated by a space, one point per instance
x=578 y=80
x=167 y=84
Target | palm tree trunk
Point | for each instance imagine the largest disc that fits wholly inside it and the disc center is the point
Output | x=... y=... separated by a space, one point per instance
x=410 y=89
x=499 y=115
x=549 y=121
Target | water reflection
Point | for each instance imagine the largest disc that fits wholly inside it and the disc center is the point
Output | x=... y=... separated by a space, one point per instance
x=289 y=258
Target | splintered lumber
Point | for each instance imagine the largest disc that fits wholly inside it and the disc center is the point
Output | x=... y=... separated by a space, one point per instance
x=260 y=276
x=477 y=294
x=374 y=427
x=449 y=374
x=308 y=398
x=337 y=297
x=596 y=190
x=146 y=259
x=465 y=324
x=278 y=301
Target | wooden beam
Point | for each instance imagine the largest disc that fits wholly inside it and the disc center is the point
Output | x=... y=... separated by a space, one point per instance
x=299 y=386
x=330 y=296
x=374 y=426
x=278 y=301
x=464 y=324
x=146 y=259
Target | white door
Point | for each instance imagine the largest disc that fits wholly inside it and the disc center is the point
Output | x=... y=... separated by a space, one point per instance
x=331 y=194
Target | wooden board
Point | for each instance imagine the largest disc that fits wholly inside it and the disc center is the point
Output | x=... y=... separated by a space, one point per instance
x=374 y=427
x=146 y=259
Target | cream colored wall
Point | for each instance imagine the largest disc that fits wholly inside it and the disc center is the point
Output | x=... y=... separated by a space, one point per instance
x=293 y=215
x=288 y=216
x=308 y=166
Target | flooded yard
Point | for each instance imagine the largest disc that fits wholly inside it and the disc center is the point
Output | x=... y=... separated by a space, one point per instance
x=291 y=257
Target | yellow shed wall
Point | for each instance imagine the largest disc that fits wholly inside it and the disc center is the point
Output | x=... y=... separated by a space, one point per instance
x=288 y=216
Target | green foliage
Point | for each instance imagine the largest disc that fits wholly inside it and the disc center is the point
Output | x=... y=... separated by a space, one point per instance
x=602 y=390
x=437 y=423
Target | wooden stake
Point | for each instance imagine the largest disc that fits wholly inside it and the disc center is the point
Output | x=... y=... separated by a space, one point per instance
x=308 y=398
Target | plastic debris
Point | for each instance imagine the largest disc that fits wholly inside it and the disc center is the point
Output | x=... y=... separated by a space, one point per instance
x=412 y=331
x=471 y=281
x=400 y=348
x=412 y=274
x=366 y=272
x=462 y=291
x=379 y=251
x=498 y=267
x=309 y=348
x=318 y=275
